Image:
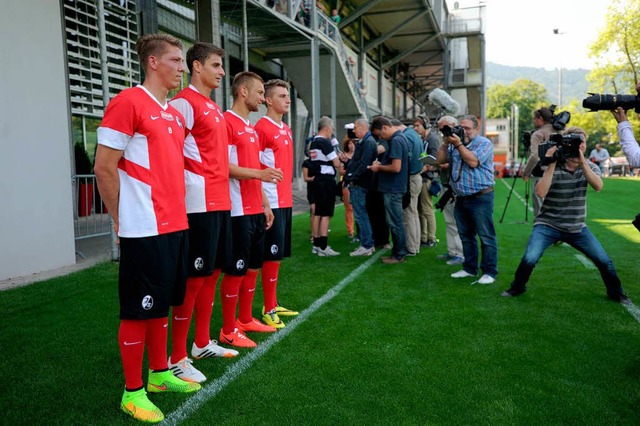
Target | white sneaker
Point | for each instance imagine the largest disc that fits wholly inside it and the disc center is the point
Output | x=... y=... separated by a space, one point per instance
x=461 y=274
x=361 y=251
x=486 y=279
x=314 y=250
x=327 y=252
x=184 y=370
x=212 y=349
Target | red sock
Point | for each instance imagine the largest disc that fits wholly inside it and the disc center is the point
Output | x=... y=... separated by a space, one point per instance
x=204 y=307
x=181 y=319
x=131 y=341
x=157 y=332
x=247 y=291
x=270 y=270
x=229 y=288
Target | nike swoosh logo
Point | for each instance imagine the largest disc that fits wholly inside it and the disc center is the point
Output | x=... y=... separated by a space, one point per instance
x=273 y=279
x=154 y=118
x=207 y=112
x=180 y=319
x=231 y=295
x=241 y=133
x=229 y=341
x=162 y=388
x=131 y=343
x=276 y=137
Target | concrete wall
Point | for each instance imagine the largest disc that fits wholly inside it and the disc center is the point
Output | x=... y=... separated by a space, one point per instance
x=36 y=217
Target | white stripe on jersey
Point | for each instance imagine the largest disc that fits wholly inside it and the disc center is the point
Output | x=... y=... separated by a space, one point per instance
x=195 y=199
x=267 y=157
x=113 y=138
x=234 y=186
x=191 y=148
x=135 y=208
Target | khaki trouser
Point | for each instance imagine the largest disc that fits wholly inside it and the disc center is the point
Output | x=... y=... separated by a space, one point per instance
x=427 y=214
x=454 y=244
x=410 y=215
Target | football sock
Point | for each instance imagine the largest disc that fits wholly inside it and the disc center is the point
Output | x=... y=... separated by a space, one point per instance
x=181 y=318
x=270 y=270
x=131 y=341
x=157 y=333
x=229 y=288
x=204 y=307
x=247 y=291
x=321 y=242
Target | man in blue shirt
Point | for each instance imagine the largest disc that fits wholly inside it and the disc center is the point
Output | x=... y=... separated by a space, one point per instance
x=392 y=183
x=360 y=180
x=472 y=180
x=410 y=217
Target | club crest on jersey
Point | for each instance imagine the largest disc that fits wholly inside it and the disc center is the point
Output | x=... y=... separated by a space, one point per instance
x=198 y=264
x=147 y=302
x=166 y=116
x=240 y=265
x=274 y=249
x=248 y=129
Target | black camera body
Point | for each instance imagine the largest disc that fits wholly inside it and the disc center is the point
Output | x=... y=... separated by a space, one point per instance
x=456 y=130
x=607 y=102
x=568 y=147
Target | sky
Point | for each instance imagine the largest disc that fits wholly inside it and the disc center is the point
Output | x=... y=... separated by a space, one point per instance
x=520 y=32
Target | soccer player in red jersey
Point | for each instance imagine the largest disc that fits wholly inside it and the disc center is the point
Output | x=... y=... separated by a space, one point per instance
x=140 y=171
x=208 y=209
x=250 y=212
x=277 y=152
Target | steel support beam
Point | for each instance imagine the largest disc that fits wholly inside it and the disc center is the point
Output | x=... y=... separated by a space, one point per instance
x=358 y=12
x=386 y=36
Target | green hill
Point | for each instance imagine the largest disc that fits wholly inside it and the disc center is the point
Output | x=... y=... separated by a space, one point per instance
x=574 y=82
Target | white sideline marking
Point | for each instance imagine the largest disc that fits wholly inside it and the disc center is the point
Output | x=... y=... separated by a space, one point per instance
x=631 y=308
x=210 y=390
x=518 y=196
x=586 y=262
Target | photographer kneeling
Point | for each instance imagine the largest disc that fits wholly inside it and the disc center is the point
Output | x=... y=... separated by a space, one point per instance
x=563 y=213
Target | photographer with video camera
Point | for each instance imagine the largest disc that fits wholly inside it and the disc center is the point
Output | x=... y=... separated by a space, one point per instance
x=470 y=158
x=625 y=134
x=542 y=121
x=562 y=216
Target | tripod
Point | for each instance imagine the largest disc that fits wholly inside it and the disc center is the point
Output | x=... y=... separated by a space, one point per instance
x=527 y=189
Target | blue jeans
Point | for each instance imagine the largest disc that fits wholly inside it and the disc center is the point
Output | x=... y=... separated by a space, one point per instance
x=474 y=216
x=358 y=198
x=544 y=236
x=393 y=214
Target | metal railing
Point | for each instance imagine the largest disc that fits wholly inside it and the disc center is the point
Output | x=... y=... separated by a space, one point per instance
x=91 y=218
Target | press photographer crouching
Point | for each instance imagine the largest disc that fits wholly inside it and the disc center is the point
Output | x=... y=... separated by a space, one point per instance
x=562 y=216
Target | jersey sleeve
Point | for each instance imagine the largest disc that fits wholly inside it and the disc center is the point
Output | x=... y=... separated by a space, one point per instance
x=185 y=108
x=118 y=124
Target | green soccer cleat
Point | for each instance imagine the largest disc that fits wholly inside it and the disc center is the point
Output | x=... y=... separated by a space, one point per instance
x=282 y=311
x=137 y=405
x=165 y=381
x=272 y=319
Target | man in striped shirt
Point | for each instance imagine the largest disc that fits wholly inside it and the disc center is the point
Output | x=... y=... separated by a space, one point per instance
x=562 y=218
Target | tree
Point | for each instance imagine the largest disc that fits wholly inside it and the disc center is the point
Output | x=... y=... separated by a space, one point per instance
x=617 y=54
x=617 y=49
x=526 y=94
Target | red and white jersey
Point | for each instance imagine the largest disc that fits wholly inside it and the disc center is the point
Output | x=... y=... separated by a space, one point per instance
x=277 y=152
x=206 y=152
x=151 y=170
x=244 y=151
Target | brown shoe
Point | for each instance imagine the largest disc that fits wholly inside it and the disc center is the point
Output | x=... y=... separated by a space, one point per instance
x=392 y=260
